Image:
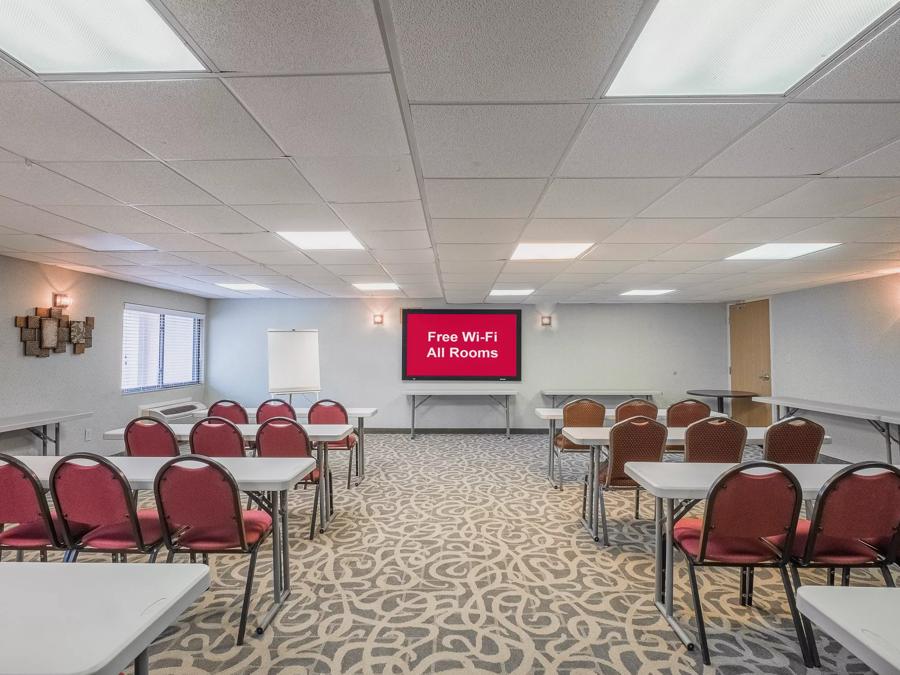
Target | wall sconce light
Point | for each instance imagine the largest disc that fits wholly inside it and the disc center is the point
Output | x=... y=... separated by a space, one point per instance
x=378 y=319
x=61 y=300
x=546 y=320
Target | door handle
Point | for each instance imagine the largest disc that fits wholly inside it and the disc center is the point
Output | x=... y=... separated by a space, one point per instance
x=765 y=377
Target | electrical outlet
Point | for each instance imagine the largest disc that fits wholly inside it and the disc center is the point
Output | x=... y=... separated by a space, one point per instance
x=88 y=435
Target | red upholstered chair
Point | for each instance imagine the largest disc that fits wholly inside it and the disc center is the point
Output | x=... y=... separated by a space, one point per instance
x=746 y=508
x=795 y=440
x=327 y=411
x=149 y=437
x=636 y=407
x=216 y=437
x=686 y=412
x=715 y=439
x=97 y=509
x=230 y=410
x=637 y=439
x=23 y=505
x=581 y=413
x=284 y=437
x=274 y=407
x=199 y=506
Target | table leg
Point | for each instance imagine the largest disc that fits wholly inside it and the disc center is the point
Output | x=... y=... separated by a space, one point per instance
x=285 y=544
x=280 y=592
x=412 y=418
x=550 y=457
x=887 y=439
x=323 y=485
x=668 y=551
x=658 y=594
x=142 y=664
x=44 y=440
x=507 y=416
x=720 y=402
x=56 y=439
x=361 y=456
x=591 y=506
x=595 y=453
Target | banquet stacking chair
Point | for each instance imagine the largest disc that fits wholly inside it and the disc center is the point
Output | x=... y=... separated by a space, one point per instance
x=715 y=439
x=23 y=505
x=327 y=411
x=97 y=509
x=216 y=437
x=747 y=507
x=794 y=440
x=683 y=414
x=274 y=407
x=636 y=407
x=150 y=437
x=284 y=437
x=581 y=413
x=200 y=510
x=230 y=410
x=637 y=439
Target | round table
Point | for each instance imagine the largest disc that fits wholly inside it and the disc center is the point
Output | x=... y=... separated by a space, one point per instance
x=721 y=394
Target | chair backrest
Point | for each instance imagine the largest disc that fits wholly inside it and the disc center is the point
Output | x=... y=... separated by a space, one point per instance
x=150 y=437
x=795 y=440
x=274 y=407
x=22 y=498
x=715 y=439
x=636 y=407
x=753 y=501
x=327 y=411
x=686 y=412
x=636 y=439
x=584 y=413
x=229 y=410
x=216 y=437
x=860 y=502
x=199 y=492
x=90 y=491
x=282 y=437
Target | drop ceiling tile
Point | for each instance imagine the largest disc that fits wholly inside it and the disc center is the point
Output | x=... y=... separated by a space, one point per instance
x=421 y=292
x=664 y=267
x=293 y=217
x=213 y=257
x=755 y=230
x=116 y=219
x=40 y=125
x=571 y=229
x=626 y=251
x=202 y=219
x=327 y=116
x=362 y=179
x=830 y=197
x=535 y=267
x=9 y=157
x=732 y=266
x=278 y=257
x=257 y=241
x=882 y=162
x=474 y=251
x=719 y=197
x=415 y=279
x=398 y=240
x=174 y=119
x=241 y=270
x=808 y=139
x=33 y=184
x=341 y=257
x=662 y=230
x=284 y=36
x=469 y=280
x=702 y=252
x=32 y=243
x=102 y=241
x=516 y=50
x=465 y=266
x=410 y=268
x=600 y=197
x=656 y=139
x=493 y=141
x=477 y=230
x=10 y=72
x=250 y=181
x=90 y=258
x=153 y=258
x=27 y=219
x=176 y=242
x=382 y=216
x=425 y=255
x=355 y=270
x=888 y=208
x=310 y=274
x=844 y=230
x=483 y=197
x=601 y=267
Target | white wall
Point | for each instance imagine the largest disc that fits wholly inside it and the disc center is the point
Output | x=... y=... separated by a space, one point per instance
x=670 y=347
x=841 y=343
x=91 y=381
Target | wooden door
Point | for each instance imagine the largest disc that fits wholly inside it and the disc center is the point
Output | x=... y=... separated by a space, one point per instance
x=751 y=361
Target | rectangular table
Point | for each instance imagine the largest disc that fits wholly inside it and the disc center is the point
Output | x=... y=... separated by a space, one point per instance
x=671 y=481
x=75 y=618
x=864 y=620
x=272 y=475
x=499 y=396
x=565 y=394
x=38 y=422
x=360 y=415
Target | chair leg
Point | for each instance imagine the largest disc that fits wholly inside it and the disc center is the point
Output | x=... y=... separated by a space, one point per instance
x=115 y=557
x=330 y=492
x=750 y=571
x=193 y=557
x=312 y=521
x=698 y=610
x=43 y=556
x=170 y=556
x=743 y=598
x=801 y=624
x=350 y=467
x=153 y=553
x=247 y=590
x=205 y=558
x=123 y=557
x=584 y=487
x=845 y=576
x=830 y=580
x=888 y=577
x=74 y=556
x=603 y=519
x=637 y=504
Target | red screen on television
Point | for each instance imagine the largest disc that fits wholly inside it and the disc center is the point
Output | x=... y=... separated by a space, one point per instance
x=463 y=344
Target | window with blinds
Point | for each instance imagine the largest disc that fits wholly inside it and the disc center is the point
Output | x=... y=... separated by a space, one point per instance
x=161 y=349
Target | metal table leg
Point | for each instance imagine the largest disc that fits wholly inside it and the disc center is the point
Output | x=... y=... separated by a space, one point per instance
x=279 y=554
x=412 y=418
x=285 y=544
x=44 y=441
x=658 y=581
x=323 y=485
x=56 y=440
x=666 y=606
x=361 y=453
x=142 y=664
x=550 y=457
x=507 y=415
x=590 y=518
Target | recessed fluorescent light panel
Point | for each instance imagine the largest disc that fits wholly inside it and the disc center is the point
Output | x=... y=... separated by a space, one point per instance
x=322 y=241
x=779 y=251
x=497 y=292
x=380 y=286
x=243 y=287
x=99 y=36
x=649 y=291
x=550 y=251
x=727 y=47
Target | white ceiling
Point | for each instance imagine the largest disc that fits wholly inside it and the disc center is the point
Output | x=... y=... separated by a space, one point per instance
x=441 y=134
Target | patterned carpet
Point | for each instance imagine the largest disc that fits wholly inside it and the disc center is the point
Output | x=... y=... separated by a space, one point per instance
x=455 y=555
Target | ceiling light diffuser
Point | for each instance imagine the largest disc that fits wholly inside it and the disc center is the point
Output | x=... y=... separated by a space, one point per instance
x=100 y=36
x=323 y=241
x=726 y=47
x=511 y=291
x=783 y=251
x=378 y=286
x=649 y=291
x=549 y=251
x=243 y=287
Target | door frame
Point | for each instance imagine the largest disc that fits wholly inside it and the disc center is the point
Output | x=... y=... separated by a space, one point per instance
x=728 y=306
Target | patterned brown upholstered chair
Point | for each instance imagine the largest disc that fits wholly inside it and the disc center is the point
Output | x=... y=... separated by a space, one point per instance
x=636 y=407
x=581 y=413
x=686 y=412
x=795 y=440
x=715 y=439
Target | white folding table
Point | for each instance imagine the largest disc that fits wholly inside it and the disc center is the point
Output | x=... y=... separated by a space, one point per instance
x=360 y=415
x=566 y=394
x=499 y=396
x=864 y=620
x=671 y=481
x=38 y=422
x=271 y=475
x=80 y=618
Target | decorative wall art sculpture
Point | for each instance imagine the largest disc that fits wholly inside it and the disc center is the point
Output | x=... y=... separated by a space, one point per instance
x=49 y=331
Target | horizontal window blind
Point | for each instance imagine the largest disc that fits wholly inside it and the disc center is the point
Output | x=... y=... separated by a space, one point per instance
x=160 y=349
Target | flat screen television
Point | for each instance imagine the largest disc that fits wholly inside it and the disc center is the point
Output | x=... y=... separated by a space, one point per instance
x=462 y=344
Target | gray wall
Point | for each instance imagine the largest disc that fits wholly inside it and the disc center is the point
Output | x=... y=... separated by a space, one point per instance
x=91 y=381
x=841 y=343
x=670 y=347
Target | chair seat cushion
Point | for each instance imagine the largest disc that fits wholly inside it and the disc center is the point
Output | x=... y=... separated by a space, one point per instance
x=210 y=539
x=34 y=534
x=119 y=536
x=346 y=444
x=829 y=550
x=566 y=445
x=731 y=550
